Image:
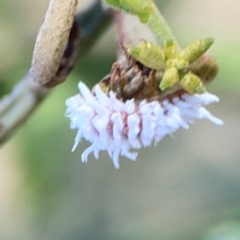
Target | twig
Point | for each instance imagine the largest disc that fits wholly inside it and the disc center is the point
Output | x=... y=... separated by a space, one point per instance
x=18 y=106
x=92 y=24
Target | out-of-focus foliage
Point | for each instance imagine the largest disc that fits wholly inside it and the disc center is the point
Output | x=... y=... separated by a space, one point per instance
x=185 y=189
x=225 y=231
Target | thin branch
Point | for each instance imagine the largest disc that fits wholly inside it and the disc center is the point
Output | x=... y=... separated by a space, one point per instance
x=92 y=24
x=18 y=106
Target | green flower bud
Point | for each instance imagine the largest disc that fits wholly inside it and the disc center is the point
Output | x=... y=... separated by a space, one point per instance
x=170 y=78
x=149 y=54
x=192 y=84
x=196 y=49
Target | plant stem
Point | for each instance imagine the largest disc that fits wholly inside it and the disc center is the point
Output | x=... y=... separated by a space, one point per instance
x=92 y=24
x=159 y=26
x=18 y=106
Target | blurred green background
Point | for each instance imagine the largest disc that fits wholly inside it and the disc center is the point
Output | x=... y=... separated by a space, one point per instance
x=180 y=190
